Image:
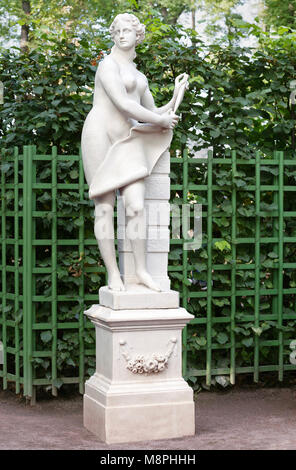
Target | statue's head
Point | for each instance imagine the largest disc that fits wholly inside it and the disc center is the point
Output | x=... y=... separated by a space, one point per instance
x=122 y=24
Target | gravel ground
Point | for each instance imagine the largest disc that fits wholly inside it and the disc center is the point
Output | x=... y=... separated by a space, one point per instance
x=238 y=419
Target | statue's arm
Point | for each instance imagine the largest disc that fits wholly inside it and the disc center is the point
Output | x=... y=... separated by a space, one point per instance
x=110 y=79
x=181 y=83
x=148 y=102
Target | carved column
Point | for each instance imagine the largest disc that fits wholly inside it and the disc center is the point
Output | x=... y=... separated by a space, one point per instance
x=157 y=210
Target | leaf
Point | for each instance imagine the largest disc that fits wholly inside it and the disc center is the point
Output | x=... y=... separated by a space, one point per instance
x=215 y=133
x=7 y=309
x=89 y=260
x=257 y=330
x=222 y=380
x=269 y=169
x=201 y=341
x=246 y=211
x=46 y=336
x=221 y=302
x=222 y=338
x=5 y=167
x=272 y=254
x=46 y=197
x=38 y=90
x=70 y=362
x=248 y=342
x=175 y=254
x=240 y=183
x=226 y=206
x=95 y=277
x=269 y=207
x=74 y=174
x=200 y=267
x=57 y=383
x=268 y=263
x=79 y=222
x=222 y=245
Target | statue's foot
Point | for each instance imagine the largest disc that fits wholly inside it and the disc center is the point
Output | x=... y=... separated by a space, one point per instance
x=145 y=278
x=115 y=282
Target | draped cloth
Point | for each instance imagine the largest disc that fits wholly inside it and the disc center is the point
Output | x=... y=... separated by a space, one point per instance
x=130 y=159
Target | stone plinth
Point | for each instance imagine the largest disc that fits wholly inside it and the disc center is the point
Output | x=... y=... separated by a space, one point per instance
x=137 y=296
x=137 y=392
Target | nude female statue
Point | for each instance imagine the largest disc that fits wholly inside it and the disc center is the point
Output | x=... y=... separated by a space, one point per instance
x=118 y=149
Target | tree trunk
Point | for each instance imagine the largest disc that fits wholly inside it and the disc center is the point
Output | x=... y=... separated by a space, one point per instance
x=292 y=16
x=25 y=27
x=293 y=116
x=164 y=13
x=193 y=18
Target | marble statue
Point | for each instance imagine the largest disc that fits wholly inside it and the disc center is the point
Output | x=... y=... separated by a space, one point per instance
x=123 y=137
x=137 y=391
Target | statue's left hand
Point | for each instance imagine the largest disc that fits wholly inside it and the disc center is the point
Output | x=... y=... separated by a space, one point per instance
x=179 y=82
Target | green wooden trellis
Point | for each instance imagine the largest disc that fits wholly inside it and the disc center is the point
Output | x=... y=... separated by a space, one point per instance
x=19 y=319
x=25 y=241
x=277 y=240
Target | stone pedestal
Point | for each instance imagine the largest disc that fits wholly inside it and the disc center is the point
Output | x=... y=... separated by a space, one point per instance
x=138 y=392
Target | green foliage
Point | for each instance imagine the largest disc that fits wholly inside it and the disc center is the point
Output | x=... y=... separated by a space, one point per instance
x=246 y=330
x=281 y=13
x=75 y=18
x=78 y=18
x=47 y=94
x=54 y=17
x=221 y=18
x=238 y=99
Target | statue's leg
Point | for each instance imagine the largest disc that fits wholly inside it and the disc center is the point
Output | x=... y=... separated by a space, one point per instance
x=104 y=232
x=133 y=197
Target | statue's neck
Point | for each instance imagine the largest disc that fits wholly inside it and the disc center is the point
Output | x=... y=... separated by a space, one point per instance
x=123 y=56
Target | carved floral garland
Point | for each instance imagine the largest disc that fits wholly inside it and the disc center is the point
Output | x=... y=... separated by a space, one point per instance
x=148 y=365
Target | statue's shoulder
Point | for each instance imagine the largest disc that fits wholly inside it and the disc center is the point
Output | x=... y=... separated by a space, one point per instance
x=142 y=75
x=107 y=64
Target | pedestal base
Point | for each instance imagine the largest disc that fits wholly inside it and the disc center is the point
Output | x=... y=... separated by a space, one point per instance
x=138 y=392
x=137 y=296
x=160 y=412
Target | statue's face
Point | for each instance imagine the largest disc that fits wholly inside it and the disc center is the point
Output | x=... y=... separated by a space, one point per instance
x=124 y=35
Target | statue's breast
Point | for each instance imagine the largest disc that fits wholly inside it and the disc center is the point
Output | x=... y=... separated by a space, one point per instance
x=129 y=80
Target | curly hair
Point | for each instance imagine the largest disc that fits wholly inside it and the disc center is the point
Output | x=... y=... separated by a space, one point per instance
x=135 y=22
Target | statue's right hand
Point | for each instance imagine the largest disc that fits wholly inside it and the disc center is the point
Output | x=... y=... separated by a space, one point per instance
x=169 y=119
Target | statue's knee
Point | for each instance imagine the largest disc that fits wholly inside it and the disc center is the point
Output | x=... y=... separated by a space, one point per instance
x=134 y=208
x=102 y=210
